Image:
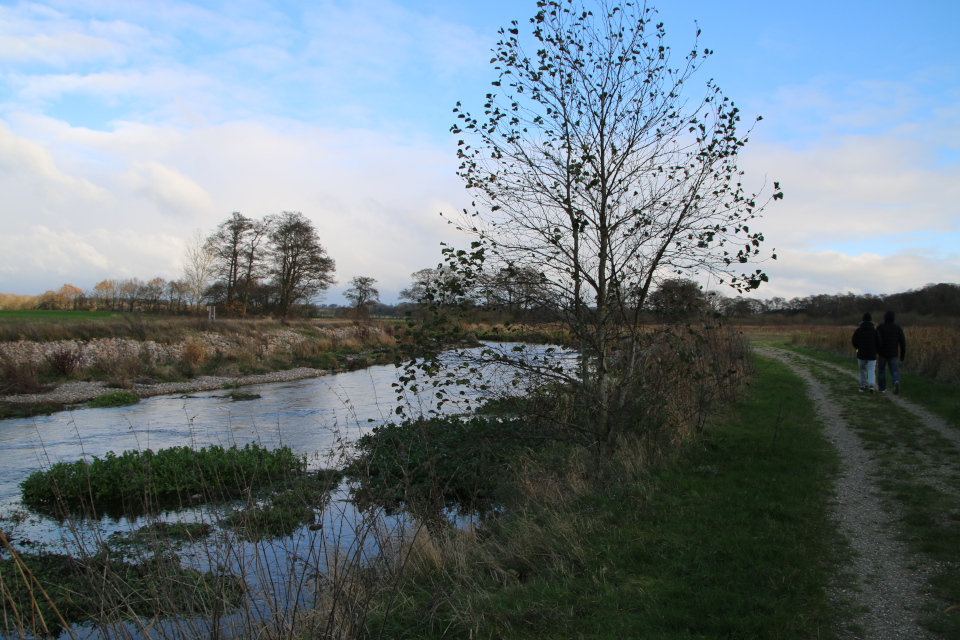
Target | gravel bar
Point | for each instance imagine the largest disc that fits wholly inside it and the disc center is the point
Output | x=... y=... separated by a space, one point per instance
x=77 y=392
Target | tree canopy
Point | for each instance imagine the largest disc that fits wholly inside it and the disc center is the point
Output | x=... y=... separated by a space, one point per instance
x=599 y=170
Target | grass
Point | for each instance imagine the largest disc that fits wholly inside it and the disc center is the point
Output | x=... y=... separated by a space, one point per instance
x=71 y=585
x=18 y=315
x=732 y=539
x=931 y=351
x=28 y=410
x=137 y=480
x=919 y=473
x=940 y=398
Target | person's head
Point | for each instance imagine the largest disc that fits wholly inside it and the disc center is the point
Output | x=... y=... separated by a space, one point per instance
x=888 y=316
x=867 y=317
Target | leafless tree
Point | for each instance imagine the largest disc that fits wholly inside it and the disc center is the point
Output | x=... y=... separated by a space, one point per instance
x=197 y=266
x=362 y=294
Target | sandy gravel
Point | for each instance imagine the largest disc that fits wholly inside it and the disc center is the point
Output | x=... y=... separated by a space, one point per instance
x=77 y=392
x=891 y=586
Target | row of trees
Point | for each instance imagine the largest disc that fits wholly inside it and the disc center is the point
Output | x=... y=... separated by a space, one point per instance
x=130 y=294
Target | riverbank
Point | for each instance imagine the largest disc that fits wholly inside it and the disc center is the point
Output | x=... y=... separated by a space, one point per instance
x=80 y=391
x=177 y=355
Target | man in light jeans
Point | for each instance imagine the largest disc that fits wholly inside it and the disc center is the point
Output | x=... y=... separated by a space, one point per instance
x=893 y=343
x=867 y=341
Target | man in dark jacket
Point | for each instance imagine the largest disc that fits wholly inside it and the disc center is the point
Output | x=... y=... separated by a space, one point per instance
x=867 y=341
x=893 y=341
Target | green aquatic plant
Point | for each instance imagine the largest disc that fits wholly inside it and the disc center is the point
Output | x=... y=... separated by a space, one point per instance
x=114 y=399
x=133 y=480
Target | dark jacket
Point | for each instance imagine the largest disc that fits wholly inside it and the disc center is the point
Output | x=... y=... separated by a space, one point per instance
x=867 y=341
x=892 y=336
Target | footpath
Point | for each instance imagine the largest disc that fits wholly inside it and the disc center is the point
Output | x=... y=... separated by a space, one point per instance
x=897 y=503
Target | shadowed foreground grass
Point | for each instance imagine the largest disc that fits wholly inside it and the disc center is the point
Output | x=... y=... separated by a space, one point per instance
x=732 y=540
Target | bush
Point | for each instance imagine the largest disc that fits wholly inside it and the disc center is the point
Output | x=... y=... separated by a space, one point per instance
x=65 y=360
x=450 y=460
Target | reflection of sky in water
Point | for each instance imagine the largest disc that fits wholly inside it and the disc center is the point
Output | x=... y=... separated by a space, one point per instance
x=314 y=417
x=317 y=417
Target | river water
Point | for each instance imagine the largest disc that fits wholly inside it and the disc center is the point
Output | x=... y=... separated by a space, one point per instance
x=317 y=417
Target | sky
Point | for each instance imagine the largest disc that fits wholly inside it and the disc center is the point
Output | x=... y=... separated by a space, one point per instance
x=127 y=125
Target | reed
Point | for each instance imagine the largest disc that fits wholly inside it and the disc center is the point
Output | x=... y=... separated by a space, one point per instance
x=931 y=351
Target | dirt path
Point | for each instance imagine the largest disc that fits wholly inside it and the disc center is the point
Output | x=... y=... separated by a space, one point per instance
x=892 y=586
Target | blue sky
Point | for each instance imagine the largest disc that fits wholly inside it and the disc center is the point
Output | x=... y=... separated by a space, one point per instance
x=126 y=125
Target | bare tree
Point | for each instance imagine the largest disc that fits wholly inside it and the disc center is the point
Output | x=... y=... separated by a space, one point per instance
x=602 y=168
x=226 y=244
x=301 y=268
x=197 y=266
x=362 y=294
x=238 y=245
x=421 y=280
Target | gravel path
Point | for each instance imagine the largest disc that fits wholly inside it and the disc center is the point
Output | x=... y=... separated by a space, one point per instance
x=77 y=392
x=891 y=587
x=931 y=421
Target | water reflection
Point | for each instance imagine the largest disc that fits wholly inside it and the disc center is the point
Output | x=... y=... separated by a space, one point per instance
x=316 y=417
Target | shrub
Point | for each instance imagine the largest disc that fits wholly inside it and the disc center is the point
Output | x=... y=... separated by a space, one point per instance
x=18 y=377
x=64 y=360
x=194 y=353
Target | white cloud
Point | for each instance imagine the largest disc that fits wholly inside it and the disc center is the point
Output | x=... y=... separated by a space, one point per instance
x=112 y=85
x=374 y=199
x=28 y=164
x=39 y=258
x=172 y=191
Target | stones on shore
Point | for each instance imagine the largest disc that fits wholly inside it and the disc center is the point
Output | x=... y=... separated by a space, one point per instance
x=82 y=391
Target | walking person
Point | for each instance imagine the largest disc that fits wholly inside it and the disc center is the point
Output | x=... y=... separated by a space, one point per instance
x=893 y=341
x=867 y=342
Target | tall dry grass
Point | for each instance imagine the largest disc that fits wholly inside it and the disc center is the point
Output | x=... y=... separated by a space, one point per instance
x=933 y=352
x=176 y=348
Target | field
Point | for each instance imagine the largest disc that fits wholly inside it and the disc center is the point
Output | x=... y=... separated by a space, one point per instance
x=7 y=315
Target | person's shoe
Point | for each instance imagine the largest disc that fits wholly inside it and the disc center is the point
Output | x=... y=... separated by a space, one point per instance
x=896 y=388
x=871 y=389
x=881 y=392
x=862 y=388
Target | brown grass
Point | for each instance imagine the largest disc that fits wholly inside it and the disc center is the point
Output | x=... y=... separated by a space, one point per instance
x=18 y=377
x=931 y=351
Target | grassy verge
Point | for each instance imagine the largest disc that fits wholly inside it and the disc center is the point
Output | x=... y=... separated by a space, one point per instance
x=28 y=410
x=114 y=399
x=731 y=540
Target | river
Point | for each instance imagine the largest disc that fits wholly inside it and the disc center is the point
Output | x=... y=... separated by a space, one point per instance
x=316 y=417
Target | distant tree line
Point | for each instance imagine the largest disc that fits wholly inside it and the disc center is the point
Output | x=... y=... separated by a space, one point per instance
x=942 y=299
